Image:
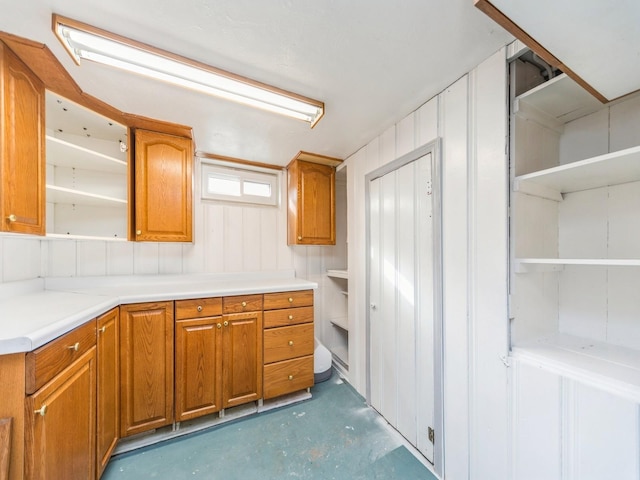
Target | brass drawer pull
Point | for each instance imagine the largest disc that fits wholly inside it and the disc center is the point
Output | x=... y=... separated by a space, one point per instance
x=290 y=377
x=75 y=347
x=12 y=218
x=100 y=330
x=291 y=343
x=244 y=304
x=199 y=308
x=290 y=317
x=219 y=325
x=42 y=410
x=290 y=300
x=226 y=324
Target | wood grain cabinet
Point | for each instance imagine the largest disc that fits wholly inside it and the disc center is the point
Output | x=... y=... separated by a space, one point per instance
x=60 y=416
x=146 y=366
x=161 y=210
x=22 y=163
x=108 y=387
x=198 y=359
x=288 y=342
x=242 y=349
x=311 y=203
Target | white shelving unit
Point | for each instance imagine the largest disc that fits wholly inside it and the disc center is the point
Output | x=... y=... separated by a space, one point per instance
x=86 y=173
x=338 y=318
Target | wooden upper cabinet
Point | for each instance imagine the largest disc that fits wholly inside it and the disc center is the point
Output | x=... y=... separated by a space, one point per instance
x=311 y=203
x=162 y=178
x=22 y=167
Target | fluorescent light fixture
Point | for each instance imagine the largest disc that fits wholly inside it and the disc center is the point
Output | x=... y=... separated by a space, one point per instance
x=83 y=41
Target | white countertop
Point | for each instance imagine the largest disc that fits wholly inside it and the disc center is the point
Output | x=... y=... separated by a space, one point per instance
x=35 y=312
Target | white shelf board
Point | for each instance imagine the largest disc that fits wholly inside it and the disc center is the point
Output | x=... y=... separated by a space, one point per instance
x=338 y=273
x=613 y=168
x=341 y=322
x=341 y=353
x=65 y=154
x=524 y=265
x=602 y=365
x=561 y=98
x=70 y=196
x=85 y=237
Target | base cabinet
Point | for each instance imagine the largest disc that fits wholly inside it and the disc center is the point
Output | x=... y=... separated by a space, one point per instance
x=60 y=424
x=198 y=357
x=146 y=366
x=108 y=388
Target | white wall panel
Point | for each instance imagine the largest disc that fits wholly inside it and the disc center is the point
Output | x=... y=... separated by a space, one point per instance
x=623 y=327
x=61 y=258
x=427 y=122
x=624 y=223
x=214 y=230
x=169 y=258
x=405 y=135
x=585 y=137
x=233 y=238
x=251 y=239
x=624 y=125
x=535 y=309
x=268 y=247
x=454 y=133
x=373 y=156
x=535 y=225
x=387 y=147
x=92 y=258
x=145 y=258
x=583 y=228
x=21 y=258
x=120 y=258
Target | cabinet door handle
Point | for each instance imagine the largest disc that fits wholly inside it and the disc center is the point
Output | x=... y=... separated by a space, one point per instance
x=42 y=410
x=290 y=317
x=226 y=324
x=244 y=304
x=299 y=238
x=291 y=343
x=75 y=347
x=199 y=308
x=290 y=300
x=12 y=218
x=100 y=330
x=219 y=325
x=290 y=377
x=138 y=232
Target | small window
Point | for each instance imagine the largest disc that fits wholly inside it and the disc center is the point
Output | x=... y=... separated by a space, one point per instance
x=239 y=185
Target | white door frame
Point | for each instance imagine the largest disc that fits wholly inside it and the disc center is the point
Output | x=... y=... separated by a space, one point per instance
x=434 y=148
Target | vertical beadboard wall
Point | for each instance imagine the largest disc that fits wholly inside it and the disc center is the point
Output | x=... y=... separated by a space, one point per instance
x=470 y=117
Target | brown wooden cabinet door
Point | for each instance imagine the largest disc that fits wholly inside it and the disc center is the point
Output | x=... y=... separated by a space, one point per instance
x=162 y=198
x=311 y=204
x=198 y=367
x=22 y=164
x=242 y=358
x=108 y=388
x=146 y=366
x=60 y=424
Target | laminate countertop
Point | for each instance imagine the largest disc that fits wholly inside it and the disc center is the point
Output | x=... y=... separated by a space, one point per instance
x=35 y=312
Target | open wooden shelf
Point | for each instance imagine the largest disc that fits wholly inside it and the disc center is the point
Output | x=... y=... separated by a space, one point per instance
x=609 y=367
x=613 y=168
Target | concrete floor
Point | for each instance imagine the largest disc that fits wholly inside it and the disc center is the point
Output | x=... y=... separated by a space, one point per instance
x=332 y=436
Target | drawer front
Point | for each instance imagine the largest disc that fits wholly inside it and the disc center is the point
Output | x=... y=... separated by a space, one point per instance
x=288 y=316
x=288 y=376
x=198 y=308
x=46 y=362
x=302 y=298
x=242 y=303
x=285 y=343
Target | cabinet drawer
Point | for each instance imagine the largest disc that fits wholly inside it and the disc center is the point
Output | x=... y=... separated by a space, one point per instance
x=198 y=308
x=288 y=376
x=288 y=316
x=242 y=303
x=302 y=298
x=288 y=342
x=46 y=362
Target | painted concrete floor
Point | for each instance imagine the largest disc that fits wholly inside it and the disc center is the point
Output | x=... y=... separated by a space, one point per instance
x=332 y=436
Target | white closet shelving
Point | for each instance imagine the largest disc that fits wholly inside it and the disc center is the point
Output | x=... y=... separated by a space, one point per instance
x=570 y=252
x=86 y=173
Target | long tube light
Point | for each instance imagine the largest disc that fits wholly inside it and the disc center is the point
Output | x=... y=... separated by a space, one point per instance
x=84 y=41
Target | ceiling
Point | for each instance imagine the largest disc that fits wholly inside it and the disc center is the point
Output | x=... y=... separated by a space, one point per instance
x=370 y=61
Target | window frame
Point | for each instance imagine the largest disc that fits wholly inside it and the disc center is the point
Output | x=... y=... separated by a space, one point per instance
x=245 y=174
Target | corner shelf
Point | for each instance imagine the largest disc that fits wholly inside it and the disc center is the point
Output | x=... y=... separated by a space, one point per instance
x=341 y=322
x=613 y=168
x=603 y=365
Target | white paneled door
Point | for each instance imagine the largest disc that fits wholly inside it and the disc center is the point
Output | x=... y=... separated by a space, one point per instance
x=401 y=296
